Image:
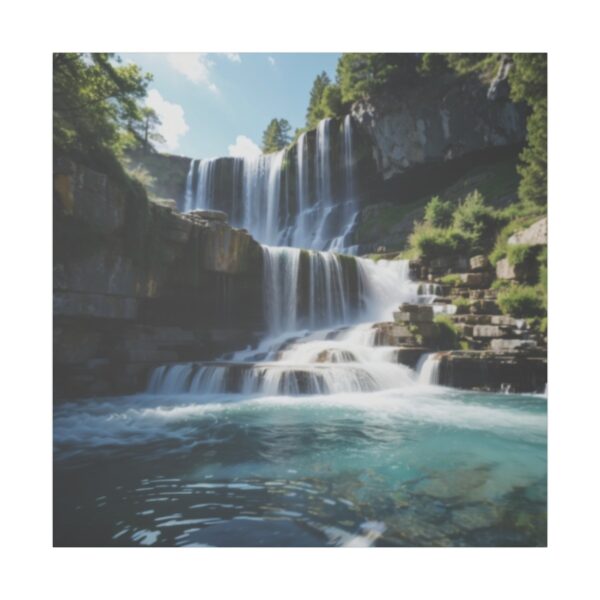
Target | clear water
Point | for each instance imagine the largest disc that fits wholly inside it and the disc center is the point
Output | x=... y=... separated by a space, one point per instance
x=418 y=465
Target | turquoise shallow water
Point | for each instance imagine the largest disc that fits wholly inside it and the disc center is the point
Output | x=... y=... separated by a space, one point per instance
x=417 y=466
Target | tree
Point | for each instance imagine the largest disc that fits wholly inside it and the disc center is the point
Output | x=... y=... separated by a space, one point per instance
x=315 y=112
x=145 y=131
x=528 y=83
x=362 y=75
x=276 y=136
x=97 y=103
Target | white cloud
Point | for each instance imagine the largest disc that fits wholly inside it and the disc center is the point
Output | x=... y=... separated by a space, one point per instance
x=233 y=56
x=244 y=147
x=195 y=66
x=271 y=60
x=173 y=124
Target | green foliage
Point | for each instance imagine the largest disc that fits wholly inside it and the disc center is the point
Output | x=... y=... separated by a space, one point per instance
x=522 y=301
x=533 y=186
x=448 y=337
x=315 y=111
x=528 y=83
x=452 y=279
x=478 y=221
x=484 y=64
x=439 y=213
x=528 y=79
x=432 y=63
x=521 y=254
x=98 y=108
x=462 y=305
x=434 y=242
x=519 y=216
x=501 y=284
x=473 y=228
x=276 y=136
x=361 y=75
x=538 y=325
x=332 y=101
x=543 y=269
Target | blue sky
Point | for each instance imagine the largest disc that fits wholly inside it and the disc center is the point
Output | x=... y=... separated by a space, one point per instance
x=219 y=104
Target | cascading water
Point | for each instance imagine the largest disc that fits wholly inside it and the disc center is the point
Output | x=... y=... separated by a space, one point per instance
x=307 y=438
x=255 y=192
x=316 y=306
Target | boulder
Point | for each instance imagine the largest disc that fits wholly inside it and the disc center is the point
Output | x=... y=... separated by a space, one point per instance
x=488 y=331
x=493 y=371
x=484 y=307
x=504 y=270
x=475 y=280
x=511 y=345
x=479 y=263
x=414 y=313
x=534 y=235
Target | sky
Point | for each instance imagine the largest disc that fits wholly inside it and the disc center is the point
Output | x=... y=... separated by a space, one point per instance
x=220 y=104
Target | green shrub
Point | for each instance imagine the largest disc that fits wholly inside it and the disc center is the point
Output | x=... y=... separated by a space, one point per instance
x=452 y=279
x=439 y=213
x=522 y=301
x=526 y=259
x=435 y=242
x=522 y=255
x=501 y=284
x=448 y=337
x=462 y=305
x=538 y=325
x=543 y=269
x=479 y=221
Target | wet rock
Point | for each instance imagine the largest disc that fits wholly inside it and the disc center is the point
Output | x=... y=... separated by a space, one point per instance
x=493 y=371
x=499 y=89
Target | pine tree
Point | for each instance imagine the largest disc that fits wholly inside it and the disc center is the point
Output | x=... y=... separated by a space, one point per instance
x=276 y=136
x=315 y=110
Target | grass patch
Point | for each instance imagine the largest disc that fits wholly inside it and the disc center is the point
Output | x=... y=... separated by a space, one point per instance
x=462 y=305
x=448 y=337
x=522 y=301
x=452 y=279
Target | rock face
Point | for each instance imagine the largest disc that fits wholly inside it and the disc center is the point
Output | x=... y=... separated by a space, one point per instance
x=534 y=235
x=508 y=371
x=442 y=121
x=137 y=284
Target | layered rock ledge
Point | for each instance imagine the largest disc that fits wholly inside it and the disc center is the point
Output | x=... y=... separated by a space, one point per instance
x=137 y=284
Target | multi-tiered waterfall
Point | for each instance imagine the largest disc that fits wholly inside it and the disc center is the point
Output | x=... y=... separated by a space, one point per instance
x=321 y=309
x=318 y=435
x=303 y=196
x=320 y=306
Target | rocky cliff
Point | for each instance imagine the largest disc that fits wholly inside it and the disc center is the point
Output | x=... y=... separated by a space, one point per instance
x=439 y=121
x=137 y=284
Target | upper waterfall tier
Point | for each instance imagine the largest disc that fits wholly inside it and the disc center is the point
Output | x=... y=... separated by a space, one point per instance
x=303 y=196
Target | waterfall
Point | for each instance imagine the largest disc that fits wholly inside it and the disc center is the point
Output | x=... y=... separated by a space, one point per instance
x=318 y=307
x=309 y=289
x=205 y=188
x=188 y=201
x=301 y=233
x=428 y=368
x=309 y=211
x=280 y=283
